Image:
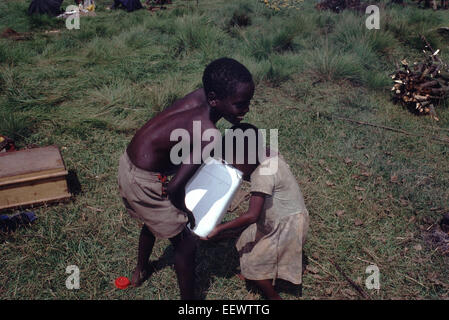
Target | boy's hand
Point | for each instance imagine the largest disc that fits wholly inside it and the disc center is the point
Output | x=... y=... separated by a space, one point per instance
x=191 y=218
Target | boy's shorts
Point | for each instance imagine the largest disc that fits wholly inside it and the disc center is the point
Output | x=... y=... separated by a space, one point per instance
x=141 y=192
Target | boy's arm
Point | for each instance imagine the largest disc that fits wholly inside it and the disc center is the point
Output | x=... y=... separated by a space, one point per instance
x=256 y=203
x=176 y=189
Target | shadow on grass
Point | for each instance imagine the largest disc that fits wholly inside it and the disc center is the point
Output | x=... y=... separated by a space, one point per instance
x=220 y=259
x=281 y=286
x=165 y=260
x=73 y=183
x=215 y=259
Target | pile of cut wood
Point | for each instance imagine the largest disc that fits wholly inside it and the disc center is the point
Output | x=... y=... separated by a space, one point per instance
x=422 y=86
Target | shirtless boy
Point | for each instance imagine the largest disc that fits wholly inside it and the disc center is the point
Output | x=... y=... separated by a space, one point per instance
x=147 y=194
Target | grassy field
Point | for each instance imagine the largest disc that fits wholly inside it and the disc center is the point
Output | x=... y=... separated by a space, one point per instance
x=375 y=196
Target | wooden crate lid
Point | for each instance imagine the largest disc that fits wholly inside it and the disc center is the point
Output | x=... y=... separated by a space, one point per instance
x=30 y=160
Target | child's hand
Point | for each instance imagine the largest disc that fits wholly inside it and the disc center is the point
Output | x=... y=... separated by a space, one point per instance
x=212 y=234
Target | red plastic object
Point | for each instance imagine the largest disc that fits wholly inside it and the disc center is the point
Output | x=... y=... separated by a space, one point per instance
x=122 y=282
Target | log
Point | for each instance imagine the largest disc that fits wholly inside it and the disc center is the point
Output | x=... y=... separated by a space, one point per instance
x=391 y=129
x=428 y=84
x=351 y=282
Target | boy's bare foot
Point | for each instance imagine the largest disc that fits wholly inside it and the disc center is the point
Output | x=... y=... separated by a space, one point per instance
x=139 y=277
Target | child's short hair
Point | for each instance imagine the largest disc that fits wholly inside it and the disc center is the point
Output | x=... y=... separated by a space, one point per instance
x=222 y=75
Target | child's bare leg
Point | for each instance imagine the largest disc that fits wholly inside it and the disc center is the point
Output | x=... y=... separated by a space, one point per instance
x=267 y=288
x=146 y=243
x=185 y=249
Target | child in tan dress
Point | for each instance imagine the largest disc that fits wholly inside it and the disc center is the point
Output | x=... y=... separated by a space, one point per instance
x=277 y=223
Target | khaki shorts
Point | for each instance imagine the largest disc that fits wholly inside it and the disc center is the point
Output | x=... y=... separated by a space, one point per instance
x=141 y=192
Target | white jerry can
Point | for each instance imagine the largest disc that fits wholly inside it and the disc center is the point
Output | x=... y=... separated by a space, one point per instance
x=209 y=193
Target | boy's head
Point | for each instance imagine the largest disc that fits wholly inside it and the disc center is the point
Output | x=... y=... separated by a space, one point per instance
x=241 y=148
x=229 y=88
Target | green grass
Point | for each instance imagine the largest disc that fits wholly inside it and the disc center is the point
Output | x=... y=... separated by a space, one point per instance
x=89 y=90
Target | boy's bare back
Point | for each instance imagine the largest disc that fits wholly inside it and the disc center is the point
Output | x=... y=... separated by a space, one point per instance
x=227 y=91
x=150 y=147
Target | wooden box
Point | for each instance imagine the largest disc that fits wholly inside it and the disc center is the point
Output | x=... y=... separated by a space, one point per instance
x=32 y=176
